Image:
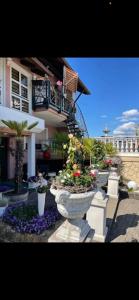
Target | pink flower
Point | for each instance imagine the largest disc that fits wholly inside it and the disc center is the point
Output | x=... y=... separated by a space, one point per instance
x=93 y=173
x=68 y=161
x=59 y=83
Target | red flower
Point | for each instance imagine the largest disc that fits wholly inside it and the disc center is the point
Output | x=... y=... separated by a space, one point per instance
x=76 y=174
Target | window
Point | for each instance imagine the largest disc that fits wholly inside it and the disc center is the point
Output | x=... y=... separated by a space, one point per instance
x=19 y=90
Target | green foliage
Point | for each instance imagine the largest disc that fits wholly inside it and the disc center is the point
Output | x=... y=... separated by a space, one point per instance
x=19 y=128
x=130 y=189
x=60 y=139
x=110 y=149
x=42 y=189
x=98 y=151
x=3 y=202
x=25 y=212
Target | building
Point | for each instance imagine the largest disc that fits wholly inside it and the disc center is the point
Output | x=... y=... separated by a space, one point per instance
x=36 y=89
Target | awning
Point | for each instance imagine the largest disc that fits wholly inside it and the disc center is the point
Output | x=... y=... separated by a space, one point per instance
x=70 y=79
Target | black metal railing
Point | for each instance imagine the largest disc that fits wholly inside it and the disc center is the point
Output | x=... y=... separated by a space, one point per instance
x=44 y=95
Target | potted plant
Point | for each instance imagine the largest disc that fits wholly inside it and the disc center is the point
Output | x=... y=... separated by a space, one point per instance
x=73 y=190
x=19 y=131
x=41 y=190
x=3 y=205
x=46 y=151
x=33 y=182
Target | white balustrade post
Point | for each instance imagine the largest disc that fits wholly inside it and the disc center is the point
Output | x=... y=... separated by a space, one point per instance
x=117 y=144
x=126 y=145
x=136 y=145
x=31 y=163
x=122 y=146
x=131 y=145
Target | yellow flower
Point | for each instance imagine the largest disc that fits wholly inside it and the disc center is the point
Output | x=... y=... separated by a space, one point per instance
x=70 y=136
x=75 y=166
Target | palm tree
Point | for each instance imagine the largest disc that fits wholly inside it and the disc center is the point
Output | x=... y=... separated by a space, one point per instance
x=19 y=128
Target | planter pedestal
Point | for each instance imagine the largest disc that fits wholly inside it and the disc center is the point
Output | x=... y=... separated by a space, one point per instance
x=96 y=215
x=73 y=207
x=113 y=186
x=71 y=231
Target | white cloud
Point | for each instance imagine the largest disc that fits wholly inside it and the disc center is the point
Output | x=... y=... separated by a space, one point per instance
x=129 y=115
x=103 y=116
x=125 y=129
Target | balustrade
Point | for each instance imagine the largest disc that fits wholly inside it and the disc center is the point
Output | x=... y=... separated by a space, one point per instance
x=122 y=144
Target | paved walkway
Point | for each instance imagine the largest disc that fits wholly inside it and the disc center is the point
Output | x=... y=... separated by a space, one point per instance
x=126 y=225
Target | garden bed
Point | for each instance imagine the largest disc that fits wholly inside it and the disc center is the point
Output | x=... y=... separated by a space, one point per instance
x=21 y=223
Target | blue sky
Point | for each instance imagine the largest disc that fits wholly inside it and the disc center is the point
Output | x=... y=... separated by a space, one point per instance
x=114 y=99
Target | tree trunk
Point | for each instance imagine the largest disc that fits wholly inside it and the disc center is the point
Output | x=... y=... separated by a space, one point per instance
x=19 y=164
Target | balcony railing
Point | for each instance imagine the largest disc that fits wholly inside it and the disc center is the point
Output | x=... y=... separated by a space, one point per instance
x=44 y=95
x=122 y=144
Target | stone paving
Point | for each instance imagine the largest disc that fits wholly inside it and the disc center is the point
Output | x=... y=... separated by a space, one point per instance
x=125 y=228
x=126 y=225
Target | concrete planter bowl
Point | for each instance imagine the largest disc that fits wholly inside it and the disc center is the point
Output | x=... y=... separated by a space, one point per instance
x=72 y=207
x=13 y=198
x=3 y=205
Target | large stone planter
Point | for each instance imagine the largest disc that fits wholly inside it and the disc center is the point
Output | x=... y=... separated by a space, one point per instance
x=13 y=198
x=73 y=207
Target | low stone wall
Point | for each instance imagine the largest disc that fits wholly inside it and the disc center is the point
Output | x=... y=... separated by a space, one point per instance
x=130 y=167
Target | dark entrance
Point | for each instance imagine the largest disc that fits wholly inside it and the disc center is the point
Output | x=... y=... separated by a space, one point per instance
x=3 y=158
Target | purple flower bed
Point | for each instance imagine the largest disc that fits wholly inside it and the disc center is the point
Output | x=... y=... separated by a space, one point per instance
x=16 y=217
x=4 y=188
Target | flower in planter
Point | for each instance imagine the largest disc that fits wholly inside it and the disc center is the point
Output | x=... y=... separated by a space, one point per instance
x=42 y=189
x=33 y=179
x=25 y=219
x=75 y=176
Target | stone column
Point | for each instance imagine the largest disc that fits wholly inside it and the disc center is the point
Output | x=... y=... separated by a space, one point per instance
x=113 y=185
x=31 y=163
x=96 y=216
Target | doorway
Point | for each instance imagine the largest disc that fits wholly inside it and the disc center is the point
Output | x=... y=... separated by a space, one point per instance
x=3 y=158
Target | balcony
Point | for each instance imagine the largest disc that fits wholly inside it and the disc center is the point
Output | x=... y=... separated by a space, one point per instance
x=45 y=96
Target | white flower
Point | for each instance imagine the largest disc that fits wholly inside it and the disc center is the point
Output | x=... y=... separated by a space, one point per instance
x=62 y=180
x=40 y=174
x=64 y=146
x=65 y=177
x=68 y=175
x=60 y=171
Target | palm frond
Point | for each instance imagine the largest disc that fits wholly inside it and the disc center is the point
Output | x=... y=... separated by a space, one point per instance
x=32 y=125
